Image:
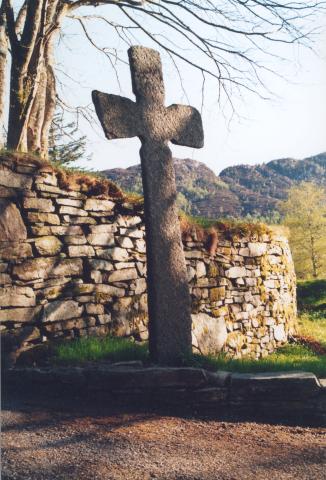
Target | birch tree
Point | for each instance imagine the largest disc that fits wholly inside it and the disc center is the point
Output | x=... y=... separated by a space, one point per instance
x=224 y=35
x=305 y=215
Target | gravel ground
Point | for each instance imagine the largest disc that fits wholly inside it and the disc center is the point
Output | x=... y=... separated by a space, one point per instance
x=47 y=439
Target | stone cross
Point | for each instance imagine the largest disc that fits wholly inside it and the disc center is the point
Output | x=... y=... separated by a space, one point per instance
x=156 y=125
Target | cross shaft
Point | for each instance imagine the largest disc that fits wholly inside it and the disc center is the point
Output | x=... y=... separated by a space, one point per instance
x=155 y=125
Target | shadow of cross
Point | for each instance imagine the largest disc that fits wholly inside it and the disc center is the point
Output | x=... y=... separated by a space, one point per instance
x=156 y=125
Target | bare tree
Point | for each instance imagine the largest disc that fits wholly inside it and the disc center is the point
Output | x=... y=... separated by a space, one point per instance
x=226 y=34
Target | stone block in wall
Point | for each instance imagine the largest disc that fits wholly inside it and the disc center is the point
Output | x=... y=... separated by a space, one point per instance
x=119 y=254
x=8 y=178
x=48 y=245
x=81 y=251
x=99 y=264
x=17 y=297
x=132 y=232
x=125 y=242
x=20 y=315
x=94 y=309
x=40 y=204
x=60 y=231
x=61 y=310
x=123 y=275
x=40 y=217
x=140 y=286
x=58 y=191
x=101 y=239
x=236 y=272
x=216 y=294
x=103 y=228
x=95 y=205
x=209 y=334
x=69 y=202
x=12 y=227
x=279 y=333
x=74 y=239
x=74 y=220
x=5 y=279
x=48 y=267
x=15 y=250
x=77 y=212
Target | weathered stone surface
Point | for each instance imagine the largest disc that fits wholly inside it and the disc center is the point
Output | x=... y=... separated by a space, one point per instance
x=209 y=334
x=285 y=386
x=140 y=286
x=125 y=242
x=200 y=269
x=17 y=297
x=59 y=191
x=148 y=119
x=117 y=253
x=74 y=239
x=5 y=279
x=8 y=178
x=99 y=205
x=14 y=250
x=70 y=202
x=122 y=275
x=103 y=228
x=26 y=314
x=99 y=264
x=79 y=220
x=61 y=310
x=279 y=333
x=235 y=272
x=40 y=204
x=48 y=245
x=48 y=267
x=257 y=249
x=78 y=212
x=101 y=239
x=12 y=227
x=36 y=217
x=81 y=251
x=94 y=309
x=110 y=290
x=70 y=230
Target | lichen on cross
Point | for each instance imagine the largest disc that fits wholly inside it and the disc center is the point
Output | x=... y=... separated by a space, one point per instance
x=156 y=125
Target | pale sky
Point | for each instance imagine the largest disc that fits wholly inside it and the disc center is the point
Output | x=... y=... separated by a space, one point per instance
x=291 y=124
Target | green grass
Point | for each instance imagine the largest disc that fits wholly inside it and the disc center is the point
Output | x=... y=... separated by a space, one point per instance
x=312 y=309
x=93 y=349
x=288 y=358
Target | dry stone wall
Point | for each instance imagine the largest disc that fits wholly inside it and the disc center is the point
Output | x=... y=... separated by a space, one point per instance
x=73 y=265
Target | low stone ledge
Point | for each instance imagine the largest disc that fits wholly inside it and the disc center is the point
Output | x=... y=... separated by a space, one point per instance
x=285 y=386
x=288 y=395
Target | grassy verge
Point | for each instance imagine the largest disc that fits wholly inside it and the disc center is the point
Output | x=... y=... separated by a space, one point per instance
x=94 y=349
x=312 y=310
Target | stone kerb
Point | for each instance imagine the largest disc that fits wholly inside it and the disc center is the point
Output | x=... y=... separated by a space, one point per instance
x=295 y=396
x=73 y=265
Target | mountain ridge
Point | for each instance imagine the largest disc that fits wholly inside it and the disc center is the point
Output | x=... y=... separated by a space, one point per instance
x=238 y=191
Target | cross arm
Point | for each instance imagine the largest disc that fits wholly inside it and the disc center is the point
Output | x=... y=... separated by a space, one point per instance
x=187 y=126
x=119 y=116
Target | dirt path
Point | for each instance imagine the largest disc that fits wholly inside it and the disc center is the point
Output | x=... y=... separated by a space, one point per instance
x=53 y=441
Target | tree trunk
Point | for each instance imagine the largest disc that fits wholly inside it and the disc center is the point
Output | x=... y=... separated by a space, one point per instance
x=314 y=260
x=32 y=90
x=3 y=71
